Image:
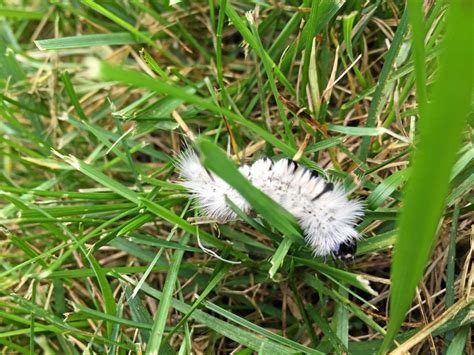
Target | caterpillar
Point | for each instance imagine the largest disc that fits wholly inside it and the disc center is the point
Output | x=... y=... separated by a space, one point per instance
x=325 y=214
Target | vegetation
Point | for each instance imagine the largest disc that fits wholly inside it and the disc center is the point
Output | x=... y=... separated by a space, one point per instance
x=101 y=250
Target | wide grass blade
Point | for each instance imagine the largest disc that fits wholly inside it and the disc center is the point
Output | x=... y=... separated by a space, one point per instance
x=216 y=160
x=434 y=158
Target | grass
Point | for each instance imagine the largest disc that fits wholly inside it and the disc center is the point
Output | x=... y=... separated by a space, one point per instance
x=100 y=249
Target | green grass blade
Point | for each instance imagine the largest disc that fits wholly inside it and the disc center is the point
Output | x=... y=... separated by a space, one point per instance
x=105 y=288
x=434 y=158
x=217 y=277
x=270 y=67
x=343 y=276
x=386 y=188
x=375 y=104
x=159 y=323
x=325 y=327
x=340 y=321
x=417 y=22
x=101 y=178
x=216 y=160
x=141 y=80
x=347 y=25
x=86 y=41
x=254 y=43
x=458 y=343
x=118 y=20
x=21 y=14
x=277 y=259
x=139 y=313
x=73 y=96
x=326 y=11
x=376 y=243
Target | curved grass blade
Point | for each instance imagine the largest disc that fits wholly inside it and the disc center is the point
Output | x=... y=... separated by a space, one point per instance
x=135 y=78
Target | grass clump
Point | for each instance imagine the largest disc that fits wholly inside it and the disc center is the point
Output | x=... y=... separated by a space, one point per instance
x=100 y=248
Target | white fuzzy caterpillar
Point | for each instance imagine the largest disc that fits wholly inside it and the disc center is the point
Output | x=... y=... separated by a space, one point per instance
x=322 y=209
